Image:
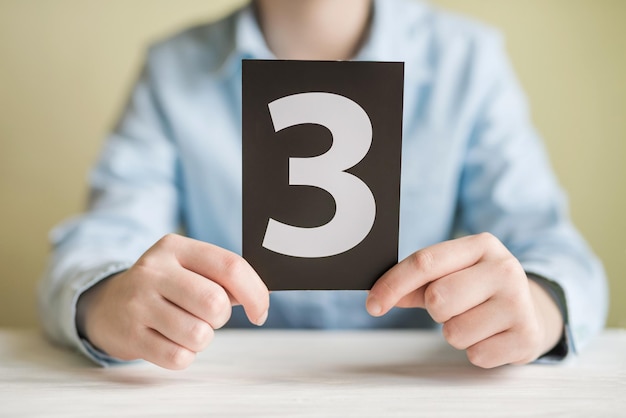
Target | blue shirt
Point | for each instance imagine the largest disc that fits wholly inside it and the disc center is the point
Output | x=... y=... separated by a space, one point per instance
x=471 y=162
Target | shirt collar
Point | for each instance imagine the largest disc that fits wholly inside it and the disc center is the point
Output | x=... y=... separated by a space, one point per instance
x=392 y=37
x=398 y=32
x=248 y=42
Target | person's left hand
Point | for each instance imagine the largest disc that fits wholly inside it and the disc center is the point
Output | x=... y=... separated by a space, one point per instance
x=480 y=293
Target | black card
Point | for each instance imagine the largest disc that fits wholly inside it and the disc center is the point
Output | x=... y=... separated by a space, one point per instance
x=321 y=171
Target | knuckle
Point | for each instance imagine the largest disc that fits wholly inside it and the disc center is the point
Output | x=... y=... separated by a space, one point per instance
x=434 y=303
x=510 y=267
x=215 y=301
x=453 y=335
x=147 y=262
x=169 y=243
x=178 y=358
x=222 y=318
x=487 y=237
x=233 y=265
x=200 y=335
x=423 y=260
x=170 y=240
x=217 y=305
x=165 y=243
x=477 y=358
x=150 y=264
x=490 y=241
x=143 y=271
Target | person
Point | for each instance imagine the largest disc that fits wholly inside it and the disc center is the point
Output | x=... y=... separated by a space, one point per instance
x=487 y=250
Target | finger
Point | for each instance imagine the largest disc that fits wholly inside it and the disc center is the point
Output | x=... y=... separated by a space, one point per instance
x=455 y=293
x=241 y=281
x=180 y=327
x=159 y=350
x=500 y=349
x=427 y=265
x=200 y=297
x=477 y=324
x=414 y=299
x=225 y=268
x=463 y=290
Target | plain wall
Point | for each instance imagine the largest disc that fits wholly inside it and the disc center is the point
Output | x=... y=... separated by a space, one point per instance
x=66 y=67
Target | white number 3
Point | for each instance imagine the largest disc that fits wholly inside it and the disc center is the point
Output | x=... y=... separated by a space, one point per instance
x=351 y=130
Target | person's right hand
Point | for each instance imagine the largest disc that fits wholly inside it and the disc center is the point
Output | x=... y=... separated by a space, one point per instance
x=165 y=308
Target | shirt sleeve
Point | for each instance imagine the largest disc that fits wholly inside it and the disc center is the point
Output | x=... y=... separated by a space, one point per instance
x=509 y=189
x=134 y=201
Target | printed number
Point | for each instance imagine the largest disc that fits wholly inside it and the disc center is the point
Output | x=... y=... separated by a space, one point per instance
x=351 y=131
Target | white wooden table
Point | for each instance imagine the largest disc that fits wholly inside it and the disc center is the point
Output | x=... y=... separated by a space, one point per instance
x=266 y=373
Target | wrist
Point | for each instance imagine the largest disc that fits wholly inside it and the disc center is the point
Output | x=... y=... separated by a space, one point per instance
x=549 y=317
x=85 y=307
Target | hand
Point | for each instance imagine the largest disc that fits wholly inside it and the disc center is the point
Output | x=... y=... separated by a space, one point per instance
x=165 y=307
x=482 y=296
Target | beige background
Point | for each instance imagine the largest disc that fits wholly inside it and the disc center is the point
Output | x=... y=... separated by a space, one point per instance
x=66 y=66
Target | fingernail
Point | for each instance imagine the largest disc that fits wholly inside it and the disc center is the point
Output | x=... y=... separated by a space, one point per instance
x=262 y=319
x=373 y=306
